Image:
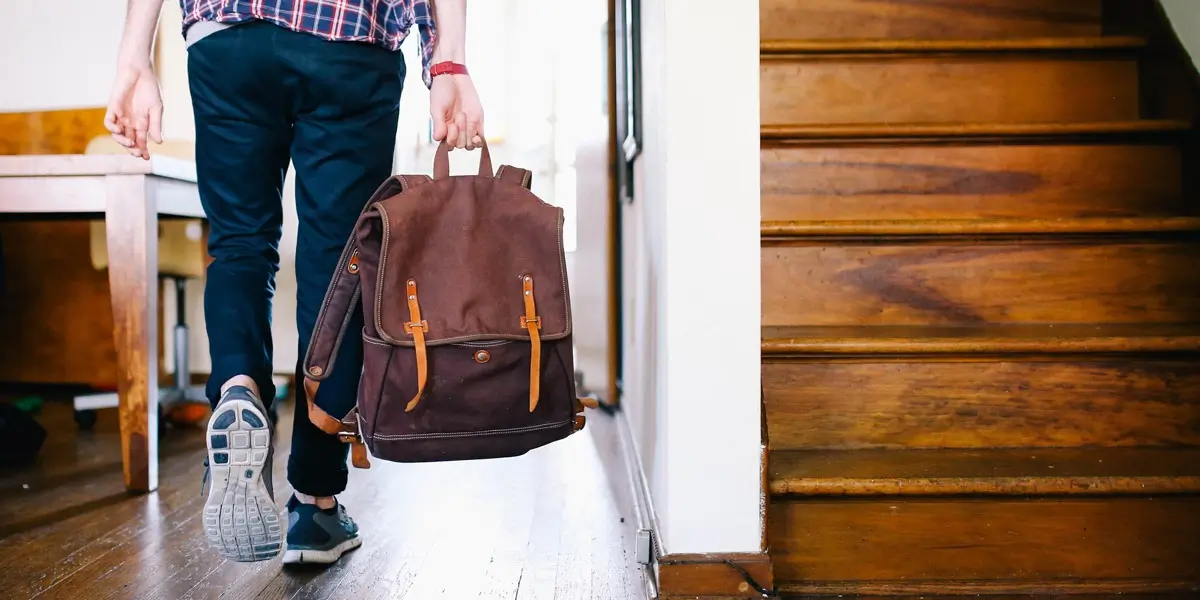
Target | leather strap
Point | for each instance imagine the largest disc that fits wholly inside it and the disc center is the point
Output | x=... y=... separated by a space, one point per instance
x=533 y=323
x=515 y=176
x=345 y=428
x=582 y=404
x=417 y=327
x=441 y=161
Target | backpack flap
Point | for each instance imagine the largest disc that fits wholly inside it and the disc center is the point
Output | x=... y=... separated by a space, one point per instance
x=476 y=259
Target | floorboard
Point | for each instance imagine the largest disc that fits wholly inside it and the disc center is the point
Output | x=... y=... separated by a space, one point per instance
x=547 y=525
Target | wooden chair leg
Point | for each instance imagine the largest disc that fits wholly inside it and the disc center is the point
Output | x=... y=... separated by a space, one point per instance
x=131 y=228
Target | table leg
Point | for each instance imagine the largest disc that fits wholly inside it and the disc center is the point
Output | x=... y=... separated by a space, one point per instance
x=131 y=224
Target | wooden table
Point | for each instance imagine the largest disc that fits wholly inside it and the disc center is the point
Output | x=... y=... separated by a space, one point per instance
x=131 y=195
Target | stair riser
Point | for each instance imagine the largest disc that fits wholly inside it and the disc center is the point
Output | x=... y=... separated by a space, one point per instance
x=992 y=543
x=981 y=404
x=987 y=282
x=941 y=89
x=906 y=19
x=964 y=182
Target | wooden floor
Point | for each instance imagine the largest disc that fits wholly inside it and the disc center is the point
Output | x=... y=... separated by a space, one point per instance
x=542 y=526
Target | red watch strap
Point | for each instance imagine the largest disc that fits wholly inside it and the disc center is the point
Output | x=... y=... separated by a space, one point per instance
x=447 y=68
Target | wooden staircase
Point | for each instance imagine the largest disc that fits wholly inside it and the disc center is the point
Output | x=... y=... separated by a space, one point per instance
x=981 y=299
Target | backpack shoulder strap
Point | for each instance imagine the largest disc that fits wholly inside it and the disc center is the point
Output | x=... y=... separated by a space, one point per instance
x=341 y=298
x=515 y=176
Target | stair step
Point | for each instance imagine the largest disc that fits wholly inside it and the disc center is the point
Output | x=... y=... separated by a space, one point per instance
x=975 y=282
x=1017 y=180
x=859 y=19
x=913 y=228
x=903 y=133
x=858 y=388
x=787 y=47
x=986 y=472
x=1022 y=339
x=849 y=89
x=989 y=545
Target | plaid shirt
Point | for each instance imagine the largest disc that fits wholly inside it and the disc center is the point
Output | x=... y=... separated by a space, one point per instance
x=383 y=22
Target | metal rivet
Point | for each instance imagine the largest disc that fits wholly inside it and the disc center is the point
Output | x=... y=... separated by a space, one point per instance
x=315 y=371
x=412 y=297
x=527 y=292
x=483 y=356
x=353 y=268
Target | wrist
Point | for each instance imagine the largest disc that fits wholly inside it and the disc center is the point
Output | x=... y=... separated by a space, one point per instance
x=133 y=60
x=450 y=50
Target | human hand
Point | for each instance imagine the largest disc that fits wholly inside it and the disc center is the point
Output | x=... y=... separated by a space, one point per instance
x=135 y=110
x=456 y=111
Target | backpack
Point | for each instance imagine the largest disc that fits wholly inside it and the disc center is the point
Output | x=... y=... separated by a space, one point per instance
x=467 y=346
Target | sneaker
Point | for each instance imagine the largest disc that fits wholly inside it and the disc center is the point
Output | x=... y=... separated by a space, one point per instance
x=240 y=519
x=317 y=535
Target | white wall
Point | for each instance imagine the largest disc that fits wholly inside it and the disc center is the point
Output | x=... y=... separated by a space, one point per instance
x=1185 y=18
x=41 y=37
x=693 y=299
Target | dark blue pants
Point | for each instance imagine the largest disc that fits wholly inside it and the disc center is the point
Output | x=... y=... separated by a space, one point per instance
x=262 y=96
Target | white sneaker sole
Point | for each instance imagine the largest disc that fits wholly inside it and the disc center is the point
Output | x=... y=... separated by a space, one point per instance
x=240 y=519
x=322 y=557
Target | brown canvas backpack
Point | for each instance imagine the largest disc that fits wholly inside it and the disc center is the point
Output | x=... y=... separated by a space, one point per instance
x=467 y=341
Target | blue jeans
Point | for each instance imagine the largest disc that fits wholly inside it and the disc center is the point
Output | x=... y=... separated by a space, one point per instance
x=263 y=95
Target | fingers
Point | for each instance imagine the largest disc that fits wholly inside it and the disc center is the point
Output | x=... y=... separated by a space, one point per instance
x=451 y=133
x=460 y=121
x=140 y=129
x=114 y=122
x=156 y=114
x=439 y=129
x=140 y=146
x=474 y=132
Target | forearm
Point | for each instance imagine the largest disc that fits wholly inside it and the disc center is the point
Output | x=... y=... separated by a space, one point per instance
x=141 y=22
x=451 y=19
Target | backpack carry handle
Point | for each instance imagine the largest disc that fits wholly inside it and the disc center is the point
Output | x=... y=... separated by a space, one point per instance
x=441 y=161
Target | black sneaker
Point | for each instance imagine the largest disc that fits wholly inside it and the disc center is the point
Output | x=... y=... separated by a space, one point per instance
x=240 y=519
x=317 y=535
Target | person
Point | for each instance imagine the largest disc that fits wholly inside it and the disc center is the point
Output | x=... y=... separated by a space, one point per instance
x=316 y=82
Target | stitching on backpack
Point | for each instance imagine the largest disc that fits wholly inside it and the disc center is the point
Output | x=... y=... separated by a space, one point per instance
x=370 y=340
x=383 y=253
x=457 y=434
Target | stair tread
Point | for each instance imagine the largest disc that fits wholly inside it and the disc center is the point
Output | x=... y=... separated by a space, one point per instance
x=771 y=48
x=980 y=339
x=895 y=131
x=1006 y=471
x=998 y=226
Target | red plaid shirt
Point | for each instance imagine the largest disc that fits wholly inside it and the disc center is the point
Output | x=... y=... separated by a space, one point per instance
x=383 y=22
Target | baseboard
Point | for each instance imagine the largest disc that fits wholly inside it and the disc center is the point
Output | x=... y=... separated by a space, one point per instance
x=680 y=576
x=645 y=528
x=1160 y=589
x=715 y=576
